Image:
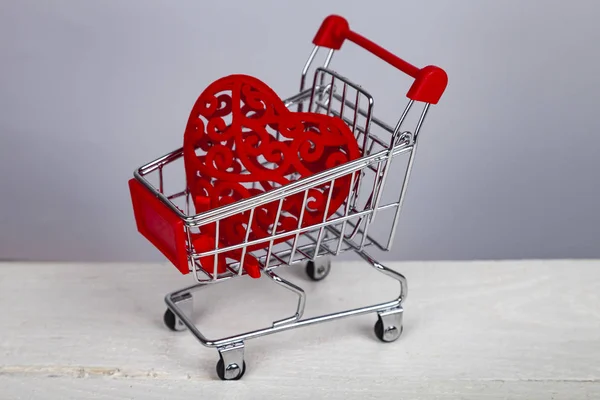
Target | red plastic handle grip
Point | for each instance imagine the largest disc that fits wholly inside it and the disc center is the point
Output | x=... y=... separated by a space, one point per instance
x=430 y=81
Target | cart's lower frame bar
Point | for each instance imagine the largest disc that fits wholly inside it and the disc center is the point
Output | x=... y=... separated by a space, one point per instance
x=184 y=294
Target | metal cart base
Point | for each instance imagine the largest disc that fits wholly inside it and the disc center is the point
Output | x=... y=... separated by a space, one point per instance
x=231 y=364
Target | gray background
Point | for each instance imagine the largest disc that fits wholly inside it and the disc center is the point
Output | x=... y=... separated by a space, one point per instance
x=507 y=166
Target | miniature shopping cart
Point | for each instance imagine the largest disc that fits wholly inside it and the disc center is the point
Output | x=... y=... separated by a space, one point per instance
x=296 y=218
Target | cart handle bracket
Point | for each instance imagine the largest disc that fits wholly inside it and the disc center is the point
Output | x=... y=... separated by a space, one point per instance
x=430 y=81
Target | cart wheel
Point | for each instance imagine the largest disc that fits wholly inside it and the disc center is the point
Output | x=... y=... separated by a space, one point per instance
x=169 y=319
x=389 y=334
x=318 y=270
x=221 y=371
x=172 y=322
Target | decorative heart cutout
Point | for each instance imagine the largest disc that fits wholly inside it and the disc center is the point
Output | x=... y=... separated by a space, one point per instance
x=241 y=141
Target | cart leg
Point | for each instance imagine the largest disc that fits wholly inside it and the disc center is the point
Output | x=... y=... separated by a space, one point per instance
x=389 y=322
x=301 y=298
x=231 y=365
x=388 y=272
x=388 y=327
x=185 y=302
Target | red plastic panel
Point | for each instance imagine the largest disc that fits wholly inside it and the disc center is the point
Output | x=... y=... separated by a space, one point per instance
x=235 y=123
x=160 y=225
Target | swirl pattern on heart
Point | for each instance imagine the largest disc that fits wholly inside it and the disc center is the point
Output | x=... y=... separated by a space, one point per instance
x=241 y=141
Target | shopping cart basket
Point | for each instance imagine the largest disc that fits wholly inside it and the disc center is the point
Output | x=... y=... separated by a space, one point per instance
x=270 y=183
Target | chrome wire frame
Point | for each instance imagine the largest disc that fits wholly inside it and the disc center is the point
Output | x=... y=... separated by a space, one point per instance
x=295 y=321
x=347 y=229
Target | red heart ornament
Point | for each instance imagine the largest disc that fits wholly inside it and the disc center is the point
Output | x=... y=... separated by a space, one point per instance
x=241 y=141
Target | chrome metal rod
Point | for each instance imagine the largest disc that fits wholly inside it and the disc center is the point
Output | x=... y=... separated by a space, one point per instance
x=291 y=188
x=275 y=194
x=300 y=97
x=401 y=197
x=421 y=120
x=167 y=158
x=358 y=128
x=409 y=167
x=246 y=237
x=297 y=290
x=375 y=120
x=277 y=215
x=388 y=272
x=280 y=235
x=216 y=256
x=169 y=300
x=371 y=240
x=305 y=69
x=300 y=219
x=346 y=212
x=306 y=250
x=177 y=195
x=325 y=212
x=388 y=164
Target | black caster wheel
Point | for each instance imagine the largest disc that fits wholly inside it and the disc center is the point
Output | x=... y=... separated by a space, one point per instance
x=388 y=335
x=170 y=320
x=318 y=270
x=221 y=371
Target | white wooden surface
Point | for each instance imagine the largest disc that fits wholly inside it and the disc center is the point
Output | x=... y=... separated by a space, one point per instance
x=478 y=330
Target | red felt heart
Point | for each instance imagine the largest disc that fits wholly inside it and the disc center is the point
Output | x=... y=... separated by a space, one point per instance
x=236 y=126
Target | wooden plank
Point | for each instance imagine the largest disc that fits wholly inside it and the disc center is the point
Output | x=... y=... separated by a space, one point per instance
x=527 y=329
x=296 y=388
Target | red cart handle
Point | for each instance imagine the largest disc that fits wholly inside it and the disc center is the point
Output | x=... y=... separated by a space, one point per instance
x=430 y=81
